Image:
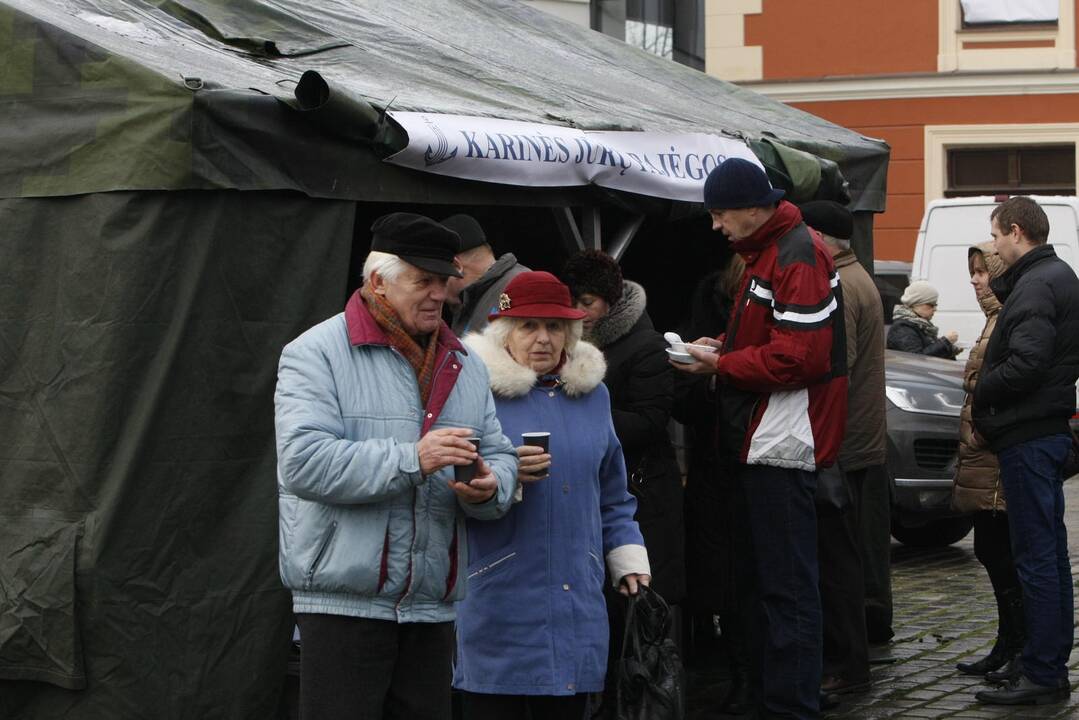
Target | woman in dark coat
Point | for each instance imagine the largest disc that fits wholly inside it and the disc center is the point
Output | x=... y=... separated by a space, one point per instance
x=641 y=384
x=912 y=328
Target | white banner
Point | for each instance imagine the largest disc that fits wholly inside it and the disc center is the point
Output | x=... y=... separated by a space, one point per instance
x=521 y=153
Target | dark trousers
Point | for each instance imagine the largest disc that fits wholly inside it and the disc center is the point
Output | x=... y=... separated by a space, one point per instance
x=360 y=669
x=842 y=595
x=479 y=706
x=993 y=548
x=1034 y=487
x=717 y=555
x=783 y=529
x=871 y=493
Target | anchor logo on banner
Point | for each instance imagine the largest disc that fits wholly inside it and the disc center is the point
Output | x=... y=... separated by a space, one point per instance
x=438 y=154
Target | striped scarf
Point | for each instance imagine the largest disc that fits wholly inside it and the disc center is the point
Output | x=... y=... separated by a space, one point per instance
x=422 y=360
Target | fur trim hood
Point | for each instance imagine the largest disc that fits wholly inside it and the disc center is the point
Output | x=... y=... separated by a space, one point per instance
x=623 y=316
x=583 y=371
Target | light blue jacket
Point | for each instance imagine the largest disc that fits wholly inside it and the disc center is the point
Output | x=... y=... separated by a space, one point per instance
x=362 y=531
x=535 y=619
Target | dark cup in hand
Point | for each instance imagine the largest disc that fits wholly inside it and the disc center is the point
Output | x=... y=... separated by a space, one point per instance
x=465 y=473
x=540 y=440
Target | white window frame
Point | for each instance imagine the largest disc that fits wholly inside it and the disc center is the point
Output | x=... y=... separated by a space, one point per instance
x=726 y=54
x=939 y=139
x=958 y=45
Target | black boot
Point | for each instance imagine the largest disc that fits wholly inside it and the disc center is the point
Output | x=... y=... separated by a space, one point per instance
x=1000 y=654
x=739 y=700
x=1016 y=638
x=1007 y=674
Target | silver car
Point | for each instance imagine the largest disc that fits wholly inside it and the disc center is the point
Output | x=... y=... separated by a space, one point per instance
x=925 y=396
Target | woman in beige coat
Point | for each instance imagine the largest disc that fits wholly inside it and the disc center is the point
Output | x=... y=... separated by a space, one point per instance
x=978 y=489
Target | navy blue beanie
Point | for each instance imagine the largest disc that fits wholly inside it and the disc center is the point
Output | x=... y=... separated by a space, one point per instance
x=738 y=183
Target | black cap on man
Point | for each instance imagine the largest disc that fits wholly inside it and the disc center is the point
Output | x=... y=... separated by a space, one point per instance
x=829 y=217
x=418 y=240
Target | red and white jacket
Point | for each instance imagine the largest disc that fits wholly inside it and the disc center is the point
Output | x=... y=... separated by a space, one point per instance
x=783 y=362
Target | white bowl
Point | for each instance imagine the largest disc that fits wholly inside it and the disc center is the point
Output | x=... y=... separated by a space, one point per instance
x=680 y=357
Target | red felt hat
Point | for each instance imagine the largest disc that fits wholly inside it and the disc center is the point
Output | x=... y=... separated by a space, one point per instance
x=536 y=295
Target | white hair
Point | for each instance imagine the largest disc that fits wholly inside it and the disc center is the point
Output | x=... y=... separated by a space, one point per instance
x=388 y=266
x=500 y=328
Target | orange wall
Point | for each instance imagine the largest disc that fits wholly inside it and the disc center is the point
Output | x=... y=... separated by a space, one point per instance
x=817 y=38
x=902 y=124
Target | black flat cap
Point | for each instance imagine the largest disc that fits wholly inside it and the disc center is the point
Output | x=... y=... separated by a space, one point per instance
x=471 y=233
x=417 y=240
x=829 y=217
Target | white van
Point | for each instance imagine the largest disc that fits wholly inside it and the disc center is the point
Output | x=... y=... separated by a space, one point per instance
x=951 y=226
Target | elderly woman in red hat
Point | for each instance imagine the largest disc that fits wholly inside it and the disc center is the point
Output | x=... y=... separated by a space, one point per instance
x=532 y=631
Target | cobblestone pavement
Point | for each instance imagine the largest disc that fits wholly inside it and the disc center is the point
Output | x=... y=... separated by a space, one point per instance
x=944 y=613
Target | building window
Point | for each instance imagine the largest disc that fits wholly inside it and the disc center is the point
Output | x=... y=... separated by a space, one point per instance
x=1033 y=170
x=1006 y=35
x=1004 y=13
x=672 y=29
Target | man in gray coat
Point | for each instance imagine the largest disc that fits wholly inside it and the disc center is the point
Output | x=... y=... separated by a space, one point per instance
x=474 y=295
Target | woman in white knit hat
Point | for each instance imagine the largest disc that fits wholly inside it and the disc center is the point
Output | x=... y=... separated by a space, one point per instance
x=912 y=328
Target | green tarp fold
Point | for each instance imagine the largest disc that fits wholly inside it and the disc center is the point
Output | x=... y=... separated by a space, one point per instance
x=139 y=337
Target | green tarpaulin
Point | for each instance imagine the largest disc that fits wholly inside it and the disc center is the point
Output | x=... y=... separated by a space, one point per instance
x=167 y=223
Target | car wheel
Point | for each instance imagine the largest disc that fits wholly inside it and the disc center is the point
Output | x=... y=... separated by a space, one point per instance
x=935 y=533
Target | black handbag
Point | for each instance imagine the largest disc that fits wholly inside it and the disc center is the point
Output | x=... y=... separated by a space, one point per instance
x=651 y=680
x=833 y=493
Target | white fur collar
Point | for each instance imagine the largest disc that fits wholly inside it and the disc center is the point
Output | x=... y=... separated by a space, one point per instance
x=583 y=371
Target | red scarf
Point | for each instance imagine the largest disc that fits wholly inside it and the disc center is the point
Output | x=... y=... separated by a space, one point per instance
x=422 y=360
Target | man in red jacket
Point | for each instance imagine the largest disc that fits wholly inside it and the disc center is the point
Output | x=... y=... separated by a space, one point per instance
x=783 y=402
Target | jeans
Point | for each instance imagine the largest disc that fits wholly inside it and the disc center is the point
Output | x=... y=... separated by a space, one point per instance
x=360 y=669
x=1034 y=491
x=783 y=529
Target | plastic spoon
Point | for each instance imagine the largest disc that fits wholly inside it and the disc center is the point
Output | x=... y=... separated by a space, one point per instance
x=673 y=338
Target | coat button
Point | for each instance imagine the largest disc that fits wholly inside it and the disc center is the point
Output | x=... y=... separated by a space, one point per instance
x=565 y=488
x=570 y=686
x=550 y=394
x=565 y=586
x=430 y=415
x=454 y=367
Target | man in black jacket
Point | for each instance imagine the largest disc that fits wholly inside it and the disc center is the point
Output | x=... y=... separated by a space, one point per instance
x=1022 y=402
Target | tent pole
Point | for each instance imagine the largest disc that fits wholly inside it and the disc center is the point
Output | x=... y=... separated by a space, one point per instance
x=625 y=236
x=590 y=228
x=567 y=228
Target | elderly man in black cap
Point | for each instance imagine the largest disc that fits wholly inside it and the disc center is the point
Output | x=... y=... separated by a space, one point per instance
x=781 y=371
x=474 y=295
x=377 y=410
x=856 y=589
